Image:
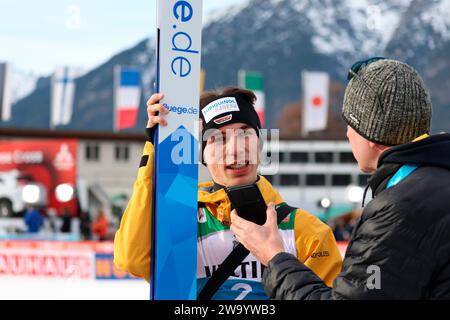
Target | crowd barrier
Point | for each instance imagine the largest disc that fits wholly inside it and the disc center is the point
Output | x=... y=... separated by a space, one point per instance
x=66 y=259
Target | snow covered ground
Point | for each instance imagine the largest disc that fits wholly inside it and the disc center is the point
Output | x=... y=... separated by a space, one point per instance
x=28 y=288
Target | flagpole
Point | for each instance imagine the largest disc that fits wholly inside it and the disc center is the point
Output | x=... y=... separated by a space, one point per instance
x=5 y=100
x=241 y=78
x=116 y=74
x=304 y=133
x=52 y=100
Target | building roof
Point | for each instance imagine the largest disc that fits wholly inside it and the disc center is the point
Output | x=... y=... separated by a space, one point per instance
x=121 y=136
x=66 y=134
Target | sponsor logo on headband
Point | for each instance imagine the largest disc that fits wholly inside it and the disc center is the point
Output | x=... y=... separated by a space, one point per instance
x=218 y=107
x=223 y=119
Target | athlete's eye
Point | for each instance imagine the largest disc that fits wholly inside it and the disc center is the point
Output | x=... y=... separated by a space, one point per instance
x=247 y=133
x=250 y=132
x=216 y=139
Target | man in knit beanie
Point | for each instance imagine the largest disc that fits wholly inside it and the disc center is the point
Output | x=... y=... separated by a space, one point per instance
x=385 y=104
x=400 y=247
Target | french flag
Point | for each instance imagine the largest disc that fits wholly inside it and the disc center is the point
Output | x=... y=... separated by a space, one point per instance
x=127 y=97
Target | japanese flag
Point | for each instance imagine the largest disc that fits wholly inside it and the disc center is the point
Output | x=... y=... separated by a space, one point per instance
x=315 y=100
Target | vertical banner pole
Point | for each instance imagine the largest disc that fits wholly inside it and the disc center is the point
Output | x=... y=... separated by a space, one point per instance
x=116 y=76
x=174 y=217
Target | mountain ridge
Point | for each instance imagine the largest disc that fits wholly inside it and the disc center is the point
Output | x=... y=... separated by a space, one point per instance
x=279 y=38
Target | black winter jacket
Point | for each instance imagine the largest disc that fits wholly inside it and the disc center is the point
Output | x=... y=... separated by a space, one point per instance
x=400 y=248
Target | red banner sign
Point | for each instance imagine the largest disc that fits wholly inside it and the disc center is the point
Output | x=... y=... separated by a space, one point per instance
x=48 y=162
x=78 y=260
x=45 y=263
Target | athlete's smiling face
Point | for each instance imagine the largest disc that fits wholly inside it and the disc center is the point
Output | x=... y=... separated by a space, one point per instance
x=232 y=154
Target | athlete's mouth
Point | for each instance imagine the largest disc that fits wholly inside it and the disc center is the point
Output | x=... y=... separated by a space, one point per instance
x=238 y=166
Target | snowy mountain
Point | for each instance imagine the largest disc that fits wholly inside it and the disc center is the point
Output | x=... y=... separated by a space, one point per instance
x=283 y=37
x=344 y=29
x=280 y=38
x=93 y=102
x=423 y=40
x=22 y=84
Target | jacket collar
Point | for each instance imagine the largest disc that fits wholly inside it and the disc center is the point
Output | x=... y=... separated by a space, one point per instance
x=428 y=151
x=379 y=180
x=425 y=150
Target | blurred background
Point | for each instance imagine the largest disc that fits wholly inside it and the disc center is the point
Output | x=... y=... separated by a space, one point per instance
x=74 y=80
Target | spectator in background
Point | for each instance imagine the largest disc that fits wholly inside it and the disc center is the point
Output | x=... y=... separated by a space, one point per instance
x=85 y=225
x=100 y=226
x=67 y=221
x=52 y=219
x=343 y=226
x=339 y=230
x=351 y=223
x=33 y=219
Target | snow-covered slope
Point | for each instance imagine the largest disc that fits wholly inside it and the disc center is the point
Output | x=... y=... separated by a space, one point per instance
x=22 y=84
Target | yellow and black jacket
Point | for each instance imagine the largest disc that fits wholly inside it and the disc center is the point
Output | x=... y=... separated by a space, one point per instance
x=303 y=235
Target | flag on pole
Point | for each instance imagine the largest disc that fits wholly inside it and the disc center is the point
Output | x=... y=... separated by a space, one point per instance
x=315 y=100
x=127 y=94
x=202 y=80
x=254 y=81
x=5 y=92
x=63 y=93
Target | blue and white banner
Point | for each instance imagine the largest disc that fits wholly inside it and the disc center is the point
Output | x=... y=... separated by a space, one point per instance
x=127 y=97
x=63 y=93
x=5 y=92
x=174 y=234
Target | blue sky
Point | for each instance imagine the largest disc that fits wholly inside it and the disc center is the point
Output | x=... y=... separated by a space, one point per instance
x=39 y=35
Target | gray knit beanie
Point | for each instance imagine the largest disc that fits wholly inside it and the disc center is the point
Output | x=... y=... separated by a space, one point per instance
x=387 y=103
